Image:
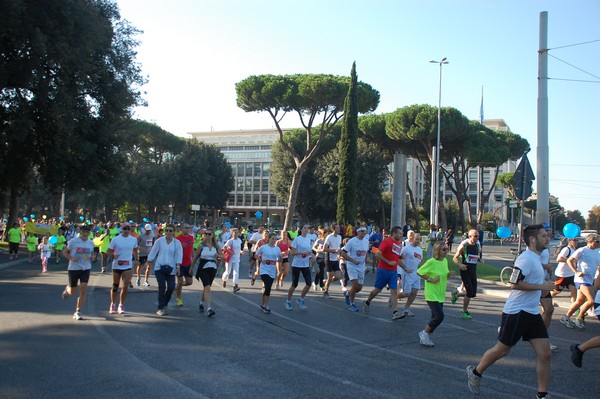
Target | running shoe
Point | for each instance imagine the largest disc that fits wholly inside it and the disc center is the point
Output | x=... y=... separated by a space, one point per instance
x=454 y=296
x=408 y=313
x=265 y=309
x=579 y=324
x=576 y=355
x=130 y=285
x=424 y=339
x=179 y=302
x=112 y=309
x=210 y=312
x=564 y=320
x=137 y=282
x=121 y=309
x=252 y=281
x=224 y=284
x=201 y=308
x=473 y=380
x=366 y=307
x=288 y=304
x=64 y=294
x=553 y=348
x=77 y=316
x=353 y=308
x=398 y=315
x=326 y=295
x=146 y=284
x=250 y=273
x=347 y=298
x=466 y=315
x=301 y=303
x=313 y=287
x=161 y=312
x=103 y=270
x=236 y=288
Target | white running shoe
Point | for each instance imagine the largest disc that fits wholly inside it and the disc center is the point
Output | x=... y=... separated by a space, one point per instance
x=579 y=324
x=288 y=305
x=77 y=316
x=564 y=320
x=121 y=309
x=112 y=309
x=473 y=380
x=424 y=339
x=301 y=303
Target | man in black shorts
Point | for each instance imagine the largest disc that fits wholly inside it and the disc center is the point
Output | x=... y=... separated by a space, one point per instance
x=79 y=252
x=470 y=251
x=333 y=243
x=521 y=315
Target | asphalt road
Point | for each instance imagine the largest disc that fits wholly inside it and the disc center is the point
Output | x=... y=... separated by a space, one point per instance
x=326 y=351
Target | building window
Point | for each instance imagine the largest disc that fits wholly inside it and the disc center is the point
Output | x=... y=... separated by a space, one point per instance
x=264 y=199
x=266 y=169
x=248 y=169
x=248 y=185
x=239 y=199
x=240 y=184
x=247 y=199
x=252 y=148
x=265 y=147
x=257 y=168
x=265 y=184
x=240 y=169
x=256 y=185
x=255 y=198
x=273 y=200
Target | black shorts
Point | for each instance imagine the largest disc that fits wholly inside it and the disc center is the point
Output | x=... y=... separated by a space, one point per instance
x=185 y=271
x=207 y=276
x=296 y=275
x=143 y=260
x=252 y=255
x=524 y=325
x=120 y=271
x=563 y=282
x=82 y=276
x=285 y=260
x=333 y=266
x=96 y=250
x=469 y=279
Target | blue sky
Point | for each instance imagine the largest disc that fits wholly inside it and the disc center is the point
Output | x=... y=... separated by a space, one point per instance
x=194 y=51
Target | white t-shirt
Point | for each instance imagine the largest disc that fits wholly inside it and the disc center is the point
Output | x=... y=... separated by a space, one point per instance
x=256 y=237
x=587 y=262
x=562 y=269
x=82 y=251
x=412 y=257
x=301 y=244
x=531 y=267
x=334 y=242
x=208 y=254
x=123 y=251
x=357 y=249
x=269 y=257
x=236 y=245
x=225 y=237
x=312 y=238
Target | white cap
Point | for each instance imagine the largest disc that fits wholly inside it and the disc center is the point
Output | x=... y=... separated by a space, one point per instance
x=148 y=226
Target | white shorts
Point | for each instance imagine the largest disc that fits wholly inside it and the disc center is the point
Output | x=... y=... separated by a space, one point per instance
x=356 y=272
x=410 y=281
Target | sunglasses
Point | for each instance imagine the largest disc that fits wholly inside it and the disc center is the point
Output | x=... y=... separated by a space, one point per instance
x=170 y=231
x=126 y=228
x=208 y=234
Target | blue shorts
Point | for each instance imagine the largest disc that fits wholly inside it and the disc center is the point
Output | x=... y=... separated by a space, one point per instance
x=386 y=277
x=577 y=285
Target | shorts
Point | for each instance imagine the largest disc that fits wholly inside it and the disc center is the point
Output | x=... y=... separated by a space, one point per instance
x=356 y=273
x=411 y=281
x=143 y=260
x=252 y=255
x=296 y=275
x=333 y=266
x=563 y=282
x=207 y=276
x=120 y=271
x=469 y=279
x=524 y=325
x=285 y=260
x=386 y=277
x=83 y=276
x=185 y=271
x=96 y=250
x=579 y=285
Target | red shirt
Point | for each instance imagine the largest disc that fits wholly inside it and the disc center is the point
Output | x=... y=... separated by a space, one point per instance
x=187 y=242
x=390 y=249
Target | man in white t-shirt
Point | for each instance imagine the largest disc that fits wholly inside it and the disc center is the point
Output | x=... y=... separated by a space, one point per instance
x=122 y=248
x=302 y=252
x=411 y=258
x=78 y=252
x=355 y=253
x=254 y=238
x=313 y=238
x=564 y=276
x=333 y=242
x=235 y=245
x=521 y=316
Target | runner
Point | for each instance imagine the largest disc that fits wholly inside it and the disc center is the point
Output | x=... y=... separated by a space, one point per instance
x=387 y=256
x=319 y=252
x=333 y=242
x=564 y=276
x=184 y=277
x=78 y=252
x=254 y=238
x=168 y=253
x=233 y=264
x=45 y=253
x=122 y=248
x=521 y=316
x=577 y=351
x=411 y=258
x=269 y=255
x=470 y=251
x=145 y=242
x=14 y=240
x=301 y=250
x=208 y=252
x=32 y=243
x=355 y=254
x=435 y=272
x=283 y=266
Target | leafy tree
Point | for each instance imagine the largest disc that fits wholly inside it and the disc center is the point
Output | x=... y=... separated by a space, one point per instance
x=593 y=220
x=68 y=78
x=508 y=182
x=312 y=98
x=346 y=198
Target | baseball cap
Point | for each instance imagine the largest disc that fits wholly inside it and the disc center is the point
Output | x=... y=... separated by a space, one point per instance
x=126 y=224
x=361 y=229
x=148 y=226
x=86 y=227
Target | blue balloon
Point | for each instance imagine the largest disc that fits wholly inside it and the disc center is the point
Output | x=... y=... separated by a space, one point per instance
x=227 y=224
x=32 y=216
x=25 y=218
x=145 y=220
x=503 y=232
x=52 y=240
x=61 y=218
x=259 y=214
x=88 y=221
x=571 y=230
x=81 y=218
x=131 y=222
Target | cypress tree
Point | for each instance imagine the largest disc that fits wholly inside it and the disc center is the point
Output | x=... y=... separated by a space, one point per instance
x=346 y=200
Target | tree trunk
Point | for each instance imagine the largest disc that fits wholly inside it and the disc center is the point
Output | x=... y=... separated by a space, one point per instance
x=13 y=207
x=294 y=187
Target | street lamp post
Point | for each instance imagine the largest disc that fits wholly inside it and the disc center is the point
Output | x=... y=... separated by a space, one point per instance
x=435 y=173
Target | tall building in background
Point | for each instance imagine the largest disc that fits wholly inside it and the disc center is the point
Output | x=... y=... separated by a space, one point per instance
x=249 y=154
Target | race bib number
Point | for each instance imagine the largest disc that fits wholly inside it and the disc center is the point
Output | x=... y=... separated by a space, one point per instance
x=417 y=256
x=472 y=258
x=269 y=262
x=148 y=243
x=123 y=263
x=396 y=249
x=361 y=253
